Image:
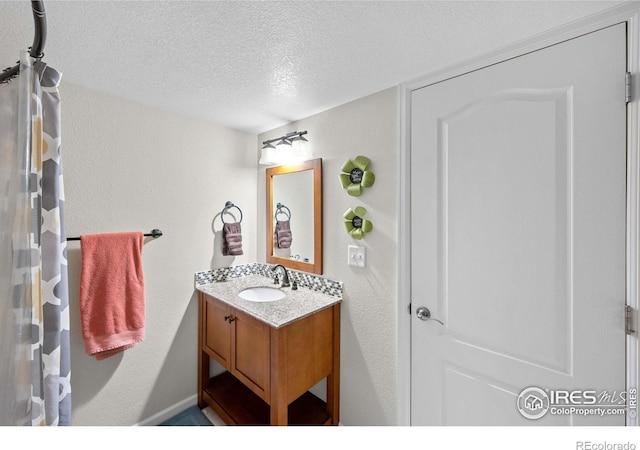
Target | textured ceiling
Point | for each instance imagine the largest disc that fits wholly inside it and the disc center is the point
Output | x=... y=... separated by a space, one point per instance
x=259 y=64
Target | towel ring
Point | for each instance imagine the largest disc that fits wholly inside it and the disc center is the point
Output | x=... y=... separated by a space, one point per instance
x=279 y=210
x=227 y=206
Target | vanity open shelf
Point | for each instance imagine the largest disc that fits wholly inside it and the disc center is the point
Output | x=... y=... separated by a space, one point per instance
x=269 y=370
x=238 y=405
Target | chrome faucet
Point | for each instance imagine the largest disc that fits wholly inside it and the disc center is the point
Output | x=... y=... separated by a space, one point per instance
x=285 y=275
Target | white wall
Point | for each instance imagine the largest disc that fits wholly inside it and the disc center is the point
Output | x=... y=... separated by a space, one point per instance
x=132 y=167
x=368 y=127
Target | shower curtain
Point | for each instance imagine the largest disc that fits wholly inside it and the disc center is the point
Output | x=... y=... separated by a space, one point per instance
x=34 y=303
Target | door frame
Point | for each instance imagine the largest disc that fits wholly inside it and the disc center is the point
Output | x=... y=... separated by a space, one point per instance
x=627 y=13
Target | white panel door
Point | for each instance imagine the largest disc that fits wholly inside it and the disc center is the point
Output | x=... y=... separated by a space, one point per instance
x=518 y=236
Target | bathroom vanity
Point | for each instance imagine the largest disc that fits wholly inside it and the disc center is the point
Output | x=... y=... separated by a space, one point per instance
x=273 y=352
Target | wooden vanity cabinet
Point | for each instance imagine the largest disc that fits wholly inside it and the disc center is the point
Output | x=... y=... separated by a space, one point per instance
x=239 y=343
x=268 y=370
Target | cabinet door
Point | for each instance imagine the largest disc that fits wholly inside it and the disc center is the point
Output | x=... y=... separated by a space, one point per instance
x=250 y=353
x=216 y=336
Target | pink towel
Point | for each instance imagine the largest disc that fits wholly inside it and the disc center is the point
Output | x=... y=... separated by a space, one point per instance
x=112 y=302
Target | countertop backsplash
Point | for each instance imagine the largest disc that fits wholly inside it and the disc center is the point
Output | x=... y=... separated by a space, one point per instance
x=306 y=280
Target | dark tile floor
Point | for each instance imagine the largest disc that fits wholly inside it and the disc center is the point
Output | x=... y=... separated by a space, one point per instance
x=190 y=417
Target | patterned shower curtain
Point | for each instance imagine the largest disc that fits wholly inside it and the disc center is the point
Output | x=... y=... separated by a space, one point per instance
x=34 y=303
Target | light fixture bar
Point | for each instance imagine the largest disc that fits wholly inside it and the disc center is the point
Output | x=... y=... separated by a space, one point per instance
x=282 y=150
x=286 y=139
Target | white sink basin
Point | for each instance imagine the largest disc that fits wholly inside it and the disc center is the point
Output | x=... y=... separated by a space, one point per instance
x=262 y=294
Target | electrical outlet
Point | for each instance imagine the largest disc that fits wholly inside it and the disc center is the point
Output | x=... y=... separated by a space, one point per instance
x=356 y=256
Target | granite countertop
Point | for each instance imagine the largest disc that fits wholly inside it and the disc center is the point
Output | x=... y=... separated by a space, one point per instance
x=296 y=304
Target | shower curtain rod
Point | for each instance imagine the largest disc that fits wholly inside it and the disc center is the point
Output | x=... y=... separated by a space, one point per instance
x=39 y=39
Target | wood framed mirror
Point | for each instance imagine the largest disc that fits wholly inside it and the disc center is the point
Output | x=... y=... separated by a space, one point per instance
x=294 y=216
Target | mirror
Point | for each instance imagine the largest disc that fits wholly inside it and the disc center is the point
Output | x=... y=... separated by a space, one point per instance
x=294 y=216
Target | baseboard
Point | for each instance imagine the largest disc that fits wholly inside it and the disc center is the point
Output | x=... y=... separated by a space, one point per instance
x=169 y=412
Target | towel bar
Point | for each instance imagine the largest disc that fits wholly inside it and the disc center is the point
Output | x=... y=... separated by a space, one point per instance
x=155 y=233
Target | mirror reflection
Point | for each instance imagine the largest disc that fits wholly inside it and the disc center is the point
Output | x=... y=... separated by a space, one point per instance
x=294 y=216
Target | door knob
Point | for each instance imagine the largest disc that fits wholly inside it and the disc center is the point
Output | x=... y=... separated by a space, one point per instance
x=423 y=313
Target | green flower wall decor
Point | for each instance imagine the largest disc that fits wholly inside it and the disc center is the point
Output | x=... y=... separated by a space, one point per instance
x=355 y=224
x=355 y=176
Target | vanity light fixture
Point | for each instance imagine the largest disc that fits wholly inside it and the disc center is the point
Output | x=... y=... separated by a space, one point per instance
x=283 y=141
x=291 y=148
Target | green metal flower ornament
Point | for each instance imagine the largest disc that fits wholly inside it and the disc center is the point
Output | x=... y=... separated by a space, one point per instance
x=355 y=176
x=355 y=224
